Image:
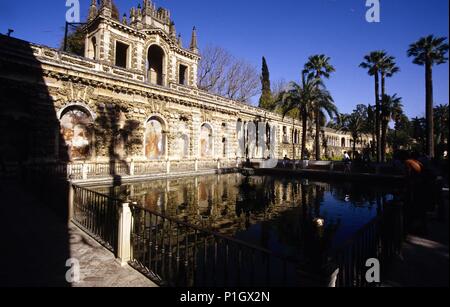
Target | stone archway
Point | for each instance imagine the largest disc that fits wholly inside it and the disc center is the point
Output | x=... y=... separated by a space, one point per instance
x=155 y=65
x=77 y=132
x=206 y=141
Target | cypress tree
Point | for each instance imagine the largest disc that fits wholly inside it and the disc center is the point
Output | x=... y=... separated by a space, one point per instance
x=266 y=100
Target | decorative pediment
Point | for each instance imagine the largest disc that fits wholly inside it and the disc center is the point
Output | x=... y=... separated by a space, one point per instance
x=169 y=41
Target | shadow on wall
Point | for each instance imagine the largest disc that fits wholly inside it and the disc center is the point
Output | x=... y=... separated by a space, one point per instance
x=35 y=239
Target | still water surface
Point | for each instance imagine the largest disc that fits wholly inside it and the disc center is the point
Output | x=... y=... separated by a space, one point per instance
x=276 y=213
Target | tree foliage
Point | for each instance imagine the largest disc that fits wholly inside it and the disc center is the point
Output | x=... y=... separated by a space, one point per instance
x=75 y=41
x=76 y=36
x=299 y=101
x=319 y=66
x=266 y=99
x=222 y=74
x=429 y=51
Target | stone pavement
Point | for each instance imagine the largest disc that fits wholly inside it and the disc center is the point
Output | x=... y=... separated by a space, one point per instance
x=425 y=258
x=98 y=266
x=36 y=245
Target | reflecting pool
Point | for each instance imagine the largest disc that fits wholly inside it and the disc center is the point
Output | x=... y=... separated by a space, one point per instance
x=292 y=216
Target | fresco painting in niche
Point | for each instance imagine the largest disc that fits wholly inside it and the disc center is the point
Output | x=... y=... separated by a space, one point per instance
x=185 y=144
x=120 y=139
x=154 y=140
x=206 y=141
x=181 y=146
x=75 y=128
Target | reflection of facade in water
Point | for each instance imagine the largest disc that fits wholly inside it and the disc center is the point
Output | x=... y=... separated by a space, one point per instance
x=154 y=200
x=290 y=216
x=226 y=203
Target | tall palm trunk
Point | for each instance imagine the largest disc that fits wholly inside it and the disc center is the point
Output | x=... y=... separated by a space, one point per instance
x=429 y=109
x=317 y=115
x=377 y=116
x=384 y=128
x=395 y=145
x=373 y=146
x=304 y=127
x=293 y=139
x=384 y=125
x=317 y=133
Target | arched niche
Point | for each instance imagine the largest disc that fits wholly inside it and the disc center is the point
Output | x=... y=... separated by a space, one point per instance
x=206 y=141
x=181 y=148
x=155 y=138
x=156 y=65
x=92 y=52
x=77 y=131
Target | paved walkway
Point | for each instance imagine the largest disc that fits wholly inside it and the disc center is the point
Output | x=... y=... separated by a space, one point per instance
x=98 y=267
x=425 y=259
x=36 y=245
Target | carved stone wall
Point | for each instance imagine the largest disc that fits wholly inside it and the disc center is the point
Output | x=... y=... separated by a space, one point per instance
x=40 y=86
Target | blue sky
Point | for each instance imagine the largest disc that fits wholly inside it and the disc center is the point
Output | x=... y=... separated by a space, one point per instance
x=286 y=32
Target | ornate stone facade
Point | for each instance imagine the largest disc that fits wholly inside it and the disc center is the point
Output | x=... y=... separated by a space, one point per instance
x=132 y=98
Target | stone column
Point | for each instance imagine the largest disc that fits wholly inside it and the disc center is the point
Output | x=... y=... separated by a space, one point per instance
x=168 y=166
x=132 y=167
x=85 y=171
x=124 y=234
x=70 y=203
x=196 y=121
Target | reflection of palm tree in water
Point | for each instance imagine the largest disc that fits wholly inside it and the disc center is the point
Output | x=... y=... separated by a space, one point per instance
x=318 y=199
x=254 y=197
x=315 y=239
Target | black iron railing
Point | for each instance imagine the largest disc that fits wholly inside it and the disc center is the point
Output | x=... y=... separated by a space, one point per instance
x=97 y=214
x=351 y=258
x=175 y=253
x=381 y=239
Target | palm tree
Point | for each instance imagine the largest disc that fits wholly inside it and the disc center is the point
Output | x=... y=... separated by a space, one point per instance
x=418 y=132
x=319 y=66
x=401 y=134
x=371 y=127
x=324 y=105
x=298 y=100
x=429 y=51
x=355 y=125
x=441 y=127
x=391 y=109
x=373 y=62
x=388 y=68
